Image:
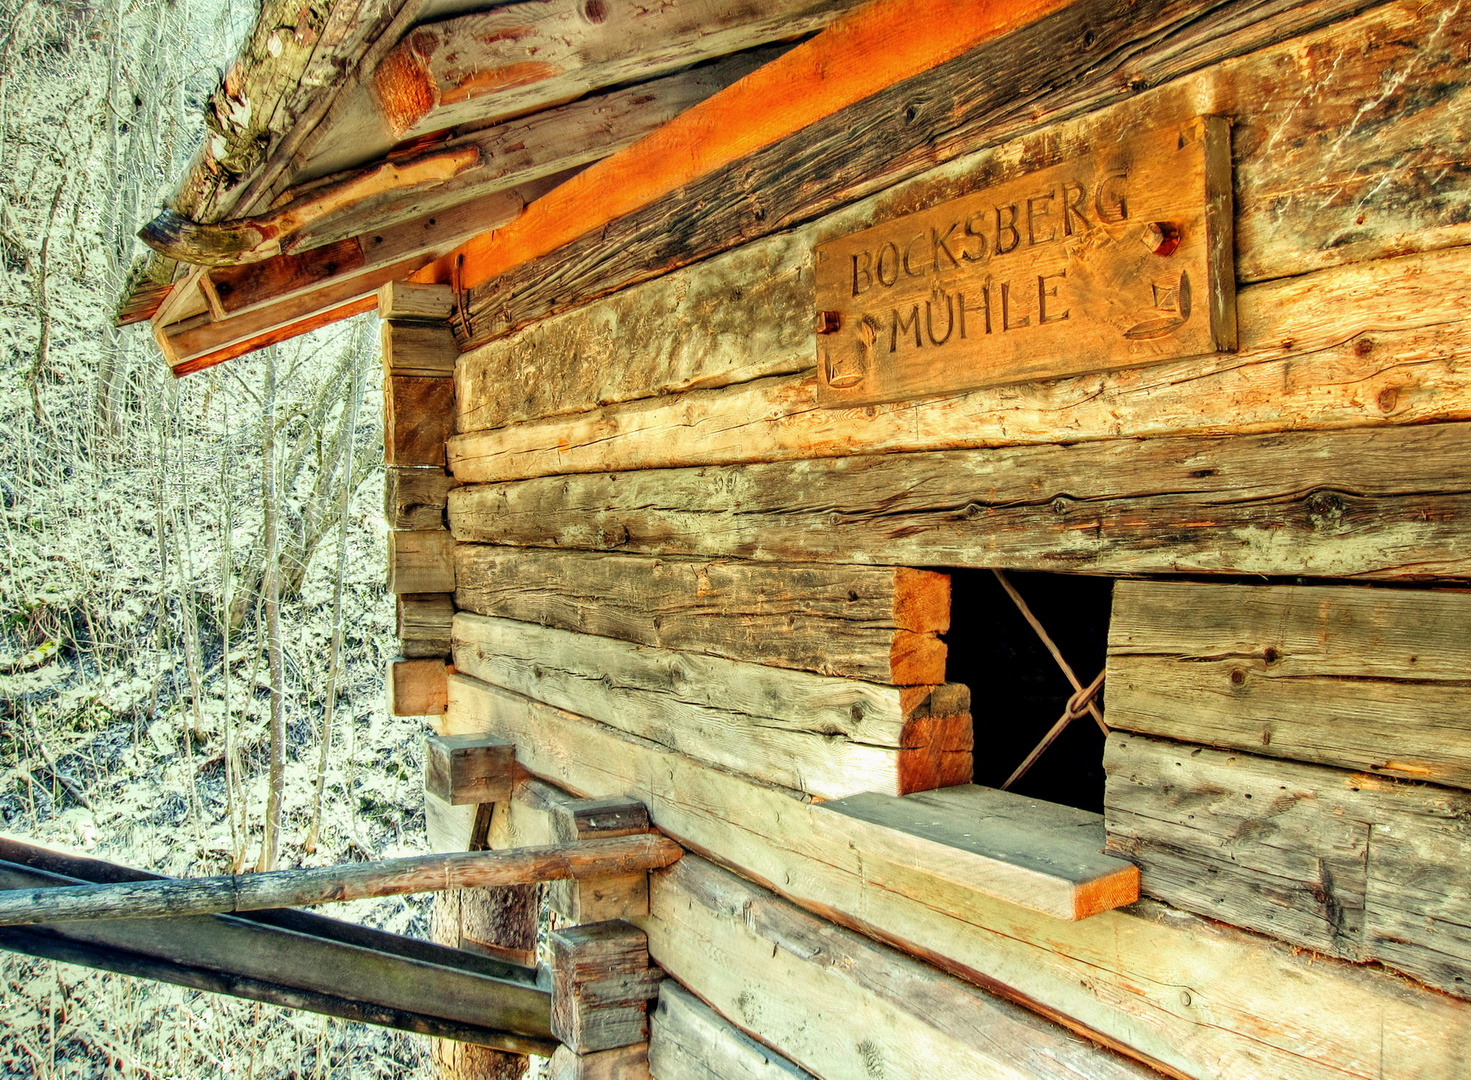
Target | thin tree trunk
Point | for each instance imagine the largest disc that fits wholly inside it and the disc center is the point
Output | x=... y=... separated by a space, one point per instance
x=271 y=842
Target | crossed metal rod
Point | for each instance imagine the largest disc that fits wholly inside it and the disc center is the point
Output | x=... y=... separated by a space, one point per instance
x=1082 y=702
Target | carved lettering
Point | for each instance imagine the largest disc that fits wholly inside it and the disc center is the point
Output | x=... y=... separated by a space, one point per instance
x=866 y=272
x=909 y=251
x=1109 y=199
x=974 y=233
x=899 y=325
x=1043 y=292
x=941 y=242
x=1006 y=323
x=929 y=320
x=1033 y=202
x=984 y=307
x=1007 y=227
x=887 y=280
x=1074 y=197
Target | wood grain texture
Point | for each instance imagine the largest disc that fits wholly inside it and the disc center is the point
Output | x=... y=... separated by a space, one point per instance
x=416 y=498
x=601 y=986
x=1356 y=866
x=1197 y=997
x=421 y=562
x=1040 y=855
x=1382 y=503
x=840 y=1005
x=688 y=1040
x=1371 y=343
x=469 y=769
x=418 y=419
x=423 y=624
x=624 y=1063
x=416 y=687
x=827 y=736
x=1084 y=57
x=408 y=301
x=1377 y=680
x=477 y=68
x=880 y=625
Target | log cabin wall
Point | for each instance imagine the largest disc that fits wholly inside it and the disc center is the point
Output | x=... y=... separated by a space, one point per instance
x=677 y=580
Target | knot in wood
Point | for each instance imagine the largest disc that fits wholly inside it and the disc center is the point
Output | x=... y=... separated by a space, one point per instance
x=1060 y=505
x=1326 y=509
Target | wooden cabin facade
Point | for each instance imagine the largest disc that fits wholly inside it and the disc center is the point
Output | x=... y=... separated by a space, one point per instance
x=873 y=412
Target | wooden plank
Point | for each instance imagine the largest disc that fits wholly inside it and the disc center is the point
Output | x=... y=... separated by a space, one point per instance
x=829 y=737
x=456 y=828
x=423 y=624
x=879 y=625
x=975 y=292
x=1351 y=865
x=252 y=337
x=839 y=1004
x=1037 y=854
x=1085 y=55
x=408 y=301
x=416 y=687
x=490 y=65
x=1365 y=679
x=1381 y=503
x=421 y=562
x=601 y=985
x=688 y=1040
x=1255 y=1007
x=1371 y=343
x=416 y=498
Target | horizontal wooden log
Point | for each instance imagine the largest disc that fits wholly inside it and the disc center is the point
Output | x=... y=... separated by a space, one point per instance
x=1377 y=680
x=688 y=1040
x=1040 y=855
x=879 y=625
x=293 y=324
x=1084 y=57
x=331 y=884
x=825 y=736
x=839 y=1004
x=416 y=687
x=423 y=350
x=1351 y=865
x=416 y=498
x=408 y=301
x=601 y=986
x=1381 y=342
x=1381 y=503
x=421 y=562
x=423 y=624
x=476 y=68
x=418 y=419
x=1196 y=997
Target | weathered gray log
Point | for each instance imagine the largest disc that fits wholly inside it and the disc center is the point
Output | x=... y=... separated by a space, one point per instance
x=330 y=884
x=423 y=622
x=829 y=737
x=1083 y=57
x=567 y=819
x=880 y=625
x=602 y=983
x=421 y=562
x=415 y=499
x=1356 y=866
x=1361 y=678
x=688 y=1040
x=1382 y=503
x=624 y=1063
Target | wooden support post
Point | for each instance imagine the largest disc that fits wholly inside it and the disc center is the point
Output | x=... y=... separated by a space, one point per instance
x=416 y=498
x=417 y=687
x=601 y=986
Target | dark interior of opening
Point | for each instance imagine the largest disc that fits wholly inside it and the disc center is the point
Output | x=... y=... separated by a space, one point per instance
x=1017 y=689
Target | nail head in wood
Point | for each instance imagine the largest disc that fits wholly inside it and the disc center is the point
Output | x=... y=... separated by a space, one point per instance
x=468 y=769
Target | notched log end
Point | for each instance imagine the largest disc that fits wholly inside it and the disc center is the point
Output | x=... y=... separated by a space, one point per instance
x=187 y=241
x=937 y=753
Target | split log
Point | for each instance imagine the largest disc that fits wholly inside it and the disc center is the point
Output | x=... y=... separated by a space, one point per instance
x=415 y=499
x=332 y=884
x=1381 y=342
x=1351 y=865
x=1365 y=679
x=1381 y=503
x=423 y=624
x=829 y=737
x=839 y=1004
x=1086 y=56
x=421 y=562
x=880 y=625
x=688 y=1040
x=1217 y=1001
x=478 y=68
x=1040 y=855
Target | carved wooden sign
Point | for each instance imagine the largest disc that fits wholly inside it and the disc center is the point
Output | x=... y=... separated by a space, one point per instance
x=1116 y=259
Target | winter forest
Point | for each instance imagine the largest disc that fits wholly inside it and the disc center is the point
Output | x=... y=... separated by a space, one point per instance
x=193 y=625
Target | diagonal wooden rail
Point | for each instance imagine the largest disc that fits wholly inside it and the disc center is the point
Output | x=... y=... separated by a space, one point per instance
x=329 y=884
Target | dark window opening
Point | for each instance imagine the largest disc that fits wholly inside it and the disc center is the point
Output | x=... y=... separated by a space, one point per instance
x=1018 y=692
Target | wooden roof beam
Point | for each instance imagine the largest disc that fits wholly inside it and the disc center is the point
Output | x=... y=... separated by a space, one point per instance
x=522 y=57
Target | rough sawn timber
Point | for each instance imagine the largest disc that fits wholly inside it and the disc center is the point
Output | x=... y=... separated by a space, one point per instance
x=1374 y=502
x=840 y=1005
x=1377 y=680
x=1199 y=998
x=830 y=737
x=879 y=625
x=1083 y=57
x=1381 y=342
x=1356 y=866
x=688 y=1040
